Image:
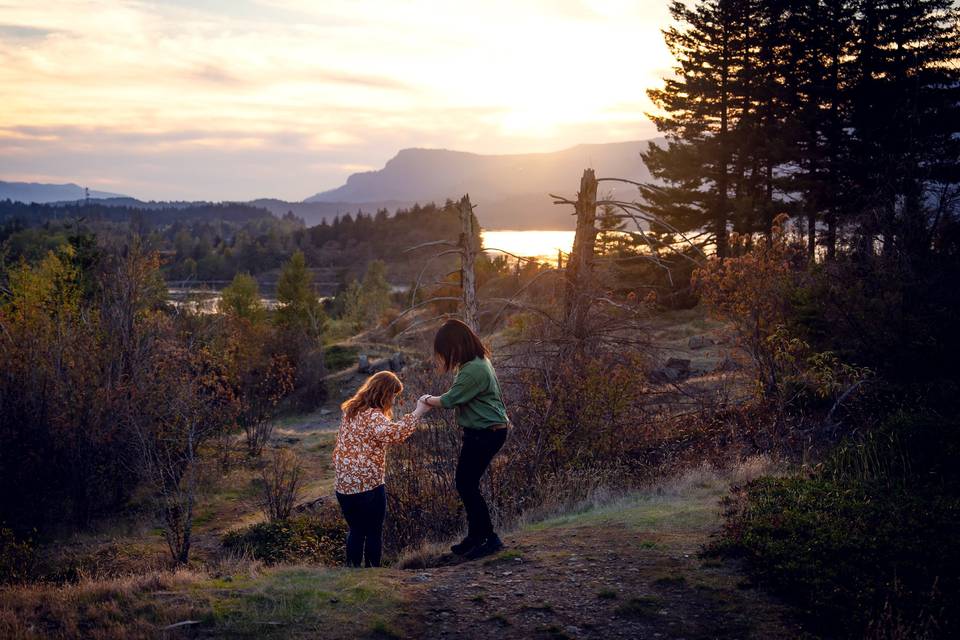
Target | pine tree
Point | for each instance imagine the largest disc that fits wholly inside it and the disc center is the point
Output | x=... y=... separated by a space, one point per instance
x=906 y=119
x=701 y=111
x=299 y=307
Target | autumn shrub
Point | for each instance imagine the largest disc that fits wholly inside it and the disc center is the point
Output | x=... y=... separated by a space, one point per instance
x=752 y=292
x=176 y=414
x=281 y=482
x=302 y=538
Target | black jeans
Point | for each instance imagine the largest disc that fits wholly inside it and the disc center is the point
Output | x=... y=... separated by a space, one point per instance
x=364 y=513
x=479 y=447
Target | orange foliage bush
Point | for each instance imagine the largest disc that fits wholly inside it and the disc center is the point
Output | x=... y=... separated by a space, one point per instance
x=751 y=291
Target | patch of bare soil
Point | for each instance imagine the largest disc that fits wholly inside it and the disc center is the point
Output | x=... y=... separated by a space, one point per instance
x=606 y=580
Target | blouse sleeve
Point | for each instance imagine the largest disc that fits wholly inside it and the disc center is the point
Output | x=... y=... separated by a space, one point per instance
x=390 y=431
x=465 y=388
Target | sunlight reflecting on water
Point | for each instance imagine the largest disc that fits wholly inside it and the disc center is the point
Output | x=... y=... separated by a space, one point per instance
x=542 y=244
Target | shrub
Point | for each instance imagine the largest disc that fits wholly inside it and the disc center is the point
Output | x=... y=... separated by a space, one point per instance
x=870 y=537
x=282 y=481
x=16 y=557
x=305 y=538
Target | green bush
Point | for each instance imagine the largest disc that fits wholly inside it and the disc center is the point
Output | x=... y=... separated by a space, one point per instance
x=340 y=357
x=302 y=538
x=872 y=532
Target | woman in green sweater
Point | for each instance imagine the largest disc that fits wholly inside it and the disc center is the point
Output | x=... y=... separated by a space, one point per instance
x=480 y=410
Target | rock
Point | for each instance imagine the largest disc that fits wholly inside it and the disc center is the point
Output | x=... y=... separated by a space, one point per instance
x=699 y=342
x=397 y=362
x=680 y=364
x=363 y=363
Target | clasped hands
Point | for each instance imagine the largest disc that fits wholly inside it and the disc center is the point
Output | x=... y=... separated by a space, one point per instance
x=423 y=406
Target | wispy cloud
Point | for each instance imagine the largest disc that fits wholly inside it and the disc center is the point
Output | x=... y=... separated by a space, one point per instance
x=144 y=93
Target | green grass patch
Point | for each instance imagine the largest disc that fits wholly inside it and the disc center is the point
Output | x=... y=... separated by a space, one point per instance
x=382 y=629
x=607 y=594
x=504 y=556
x=339 y=357
x=300 y=602
x=694 y=508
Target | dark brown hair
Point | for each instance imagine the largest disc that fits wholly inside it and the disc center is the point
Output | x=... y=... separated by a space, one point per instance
x=456 y=344
x=378 y=392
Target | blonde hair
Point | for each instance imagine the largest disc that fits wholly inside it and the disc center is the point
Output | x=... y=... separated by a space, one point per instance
x=378 y=392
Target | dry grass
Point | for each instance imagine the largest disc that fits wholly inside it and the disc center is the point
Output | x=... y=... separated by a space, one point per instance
x=235 y=598
x=100 y=609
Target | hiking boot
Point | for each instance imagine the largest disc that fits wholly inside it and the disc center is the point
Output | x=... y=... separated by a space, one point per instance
x=490 y=545
x=463 y=546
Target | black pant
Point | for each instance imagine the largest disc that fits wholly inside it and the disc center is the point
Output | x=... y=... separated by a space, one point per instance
x=479 y=447
x=364 y=513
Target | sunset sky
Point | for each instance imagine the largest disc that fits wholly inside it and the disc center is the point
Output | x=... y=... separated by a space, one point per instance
x=236 y=99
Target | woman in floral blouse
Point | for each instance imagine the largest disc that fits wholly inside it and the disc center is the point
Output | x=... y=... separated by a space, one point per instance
x=366 y=429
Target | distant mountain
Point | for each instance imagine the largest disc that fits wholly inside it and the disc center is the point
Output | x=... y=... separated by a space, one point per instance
x=42 y=193
x=511 y=191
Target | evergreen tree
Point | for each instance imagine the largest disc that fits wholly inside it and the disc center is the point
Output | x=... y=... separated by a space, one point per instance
x=241 y=299
x=299 y=306
x=700 y=111
x=906 y=119
x=375 y=291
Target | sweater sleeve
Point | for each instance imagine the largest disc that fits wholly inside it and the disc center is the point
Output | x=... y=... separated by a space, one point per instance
x=392 y=431
x=465 y=388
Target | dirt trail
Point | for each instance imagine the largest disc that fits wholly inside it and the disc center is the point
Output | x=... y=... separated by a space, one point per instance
x=627 y=571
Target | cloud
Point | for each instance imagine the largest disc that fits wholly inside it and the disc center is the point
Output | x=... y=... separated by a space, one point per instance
x=19 y=32
x=285 y=96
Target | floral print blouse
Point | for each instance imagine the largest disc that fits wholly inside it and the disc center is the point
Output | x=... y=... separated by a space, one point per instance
x=361 y=449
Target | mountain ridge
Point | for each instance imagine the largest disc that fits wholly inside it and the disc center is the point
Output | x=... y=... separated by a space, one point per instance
x=510 y=189
x=44 y=193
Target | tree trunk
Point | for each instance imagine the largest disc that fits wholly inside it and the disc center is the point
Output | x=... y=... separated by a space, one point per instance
x=468 y=277
x=580 y=264
x=720 y=212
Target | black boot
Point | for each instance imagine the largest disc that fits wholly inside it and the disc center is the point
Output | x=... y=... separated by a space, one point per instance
x=490 y=545
x=464 y=546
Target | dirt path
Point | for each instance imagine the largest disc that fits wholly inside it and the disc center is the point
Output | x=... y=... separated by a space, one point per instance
x=627 y=571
